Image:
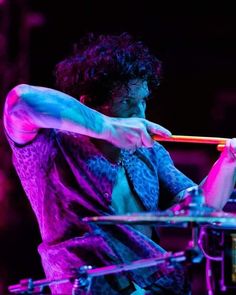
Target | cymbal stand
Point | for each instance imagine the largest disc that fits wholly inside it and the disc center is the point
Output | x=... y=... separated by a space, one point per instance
x=107 y=270
x=28 y=286
x=197 y=201
x=192 y=205
x=84 y=275
x=83 y=280
x=209 y=258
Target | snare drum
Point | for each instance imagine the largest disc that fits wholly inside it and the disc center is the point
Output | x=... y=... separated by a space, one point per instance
x=218 y=243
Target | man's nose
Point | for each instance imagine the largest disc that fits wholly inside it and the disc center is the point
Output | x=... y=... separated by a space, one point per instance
x=138 y=110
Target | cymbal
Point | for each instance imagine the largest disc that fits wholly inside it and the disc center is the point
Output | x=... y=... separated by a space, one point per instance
x=167 y=217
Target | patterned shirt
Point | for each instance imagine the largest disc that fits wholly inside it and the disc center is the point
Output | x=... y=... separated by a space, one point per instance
x=66 y=177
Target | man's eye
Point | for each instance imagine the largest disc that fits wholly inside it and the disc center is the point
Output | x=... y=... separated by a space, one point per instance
x=124 y=101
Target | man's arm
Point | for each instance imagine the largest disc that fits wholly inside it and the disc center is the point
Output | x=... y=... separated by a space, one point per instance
x=29 y=108
x=219 y=184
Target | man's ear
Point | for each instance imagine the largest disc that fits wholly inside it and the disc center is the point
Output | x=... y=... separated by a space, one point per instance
x=85 y=99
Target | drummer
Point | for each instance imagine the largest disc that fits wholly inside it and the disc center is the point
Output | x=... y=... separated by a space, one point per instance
x=86 y=149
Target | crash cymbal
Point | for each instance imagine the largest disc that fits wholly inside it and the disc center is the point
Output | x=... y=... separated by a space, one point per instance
x=166 y=217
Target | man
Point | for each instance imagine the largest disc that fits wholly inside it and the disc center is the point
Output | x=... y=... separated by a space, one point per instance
x=87 y=150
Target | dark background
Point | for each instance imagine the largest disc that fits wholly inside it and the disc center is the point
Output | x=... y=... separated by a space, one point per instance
x=197 y=96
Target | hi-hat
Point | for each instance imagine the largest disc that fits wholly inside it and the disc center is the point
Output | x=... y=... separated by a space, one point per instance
x=192 y=209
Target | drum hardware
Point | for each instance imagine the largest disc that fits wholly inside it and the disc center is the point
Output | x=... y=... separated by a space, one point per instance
x=28 y=286
x=82 y=276
x=209 y=258
x=201 y=246
x=196 y=202
x=82 y=281
x=221 y=267
x=194 y=212
x=168 y=218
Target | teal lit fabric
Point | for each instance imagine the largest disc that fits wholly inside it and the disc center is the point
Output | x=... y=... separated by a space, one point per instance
x=67 y=178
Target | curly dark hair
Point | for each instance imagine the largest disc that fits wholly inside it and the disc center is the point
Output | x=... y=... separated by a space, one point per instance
x=103 y=62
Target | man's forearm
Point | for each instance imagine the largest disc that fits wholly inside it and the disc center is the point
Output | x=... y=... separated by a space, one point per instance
x=29 y=108
x=219 y=184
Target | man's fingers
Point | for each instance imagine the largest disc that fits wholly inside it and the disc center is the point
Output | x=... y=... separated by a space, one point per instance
x=153 y=128
x=231 y=145
x=147 y=139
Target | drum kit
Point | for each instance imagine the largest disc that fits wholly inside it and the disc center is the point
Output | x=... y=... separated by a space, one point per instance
x=204 y=220
x=213 y=238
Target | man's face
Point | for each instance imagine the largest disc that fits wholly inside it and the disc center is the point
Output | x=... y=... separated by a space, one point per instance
x=128 y=101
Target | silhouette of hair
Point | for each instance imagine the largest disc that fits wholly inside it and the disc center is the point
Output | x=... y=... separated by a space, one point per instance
x=101 y=62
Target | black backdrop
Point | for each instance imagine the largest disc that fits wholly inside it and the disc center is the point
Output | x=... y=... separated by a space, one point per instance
x=197 y=96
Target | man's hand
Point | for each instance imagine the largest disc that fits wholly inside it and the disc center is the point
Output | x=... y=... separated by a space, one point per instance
x=230 y=149
x=132 y=133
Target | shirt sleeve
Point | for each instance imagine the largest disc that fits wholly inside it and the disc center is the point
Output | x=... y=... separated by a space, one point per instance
x=31 y=162
x=171 y=180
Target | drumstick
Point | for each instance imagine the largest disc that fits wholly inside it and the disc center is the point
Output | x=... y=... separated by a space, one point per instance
x=220 y=147
x=220 y=141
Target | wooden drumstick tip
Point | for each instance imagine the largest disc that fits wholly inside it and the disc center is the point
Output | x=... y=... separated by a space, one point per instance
x=220 y=147
x=219 y=141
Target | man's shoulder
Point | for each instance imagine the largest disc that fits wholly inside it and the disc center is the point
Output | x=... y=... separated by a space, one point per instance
x=44 y=135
